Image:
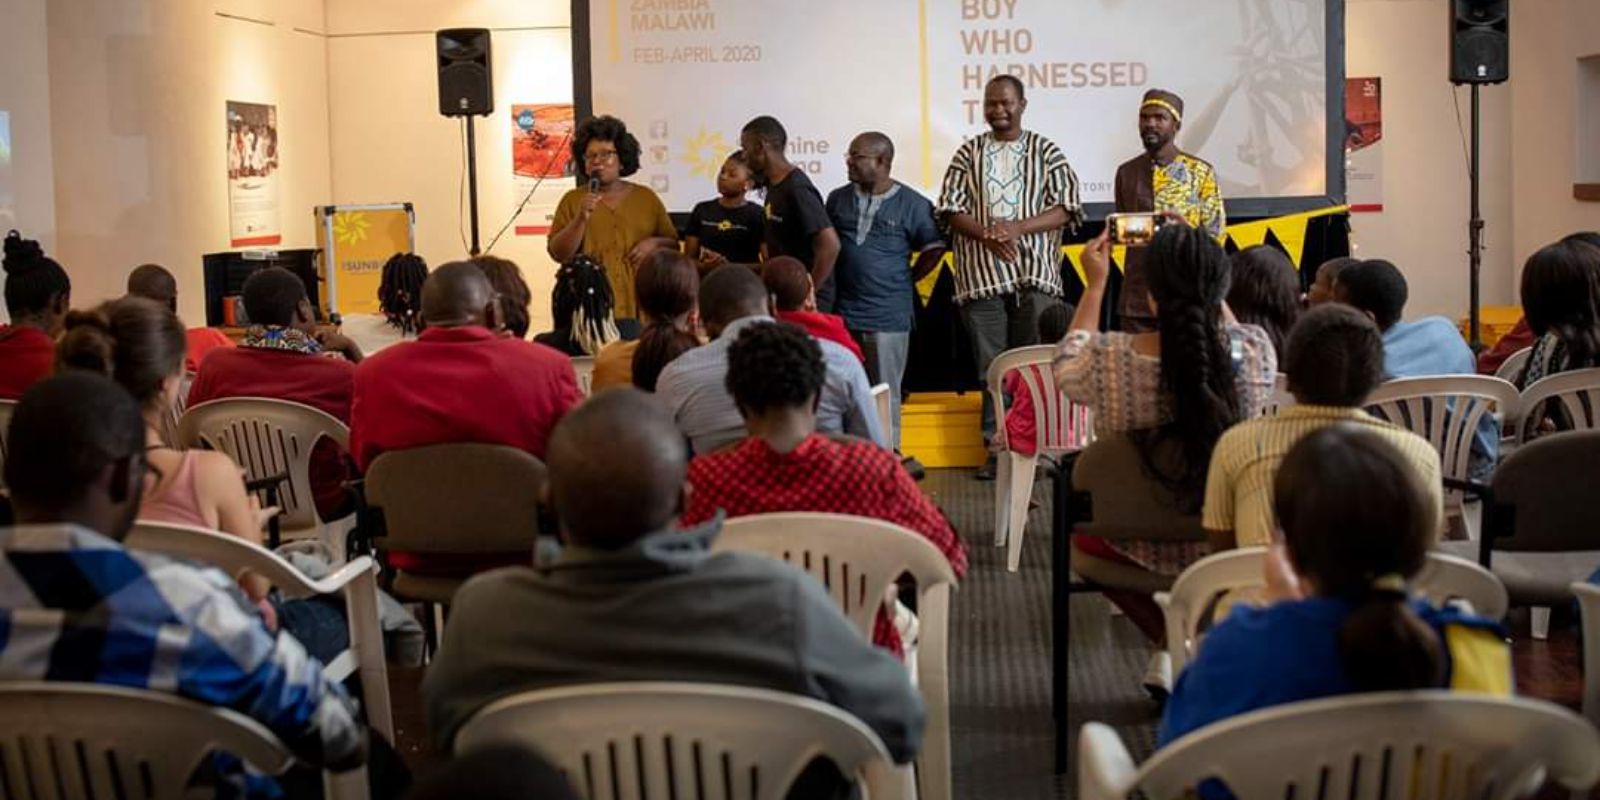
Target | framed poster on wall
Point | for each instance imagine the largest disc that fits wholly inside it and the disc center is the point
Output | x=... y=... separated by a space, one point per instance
x=541 y=147
x=1363 y=143
x=253 y=213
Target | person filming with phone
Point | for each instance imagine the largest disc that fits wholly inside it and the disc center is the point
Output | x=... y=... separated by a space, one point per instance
x=1175 y=186
x=617 y=223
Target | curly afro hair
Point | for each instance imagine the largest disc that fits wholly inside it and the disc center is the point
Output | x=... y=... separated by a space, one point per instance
x=774 y=365
x=606 y=128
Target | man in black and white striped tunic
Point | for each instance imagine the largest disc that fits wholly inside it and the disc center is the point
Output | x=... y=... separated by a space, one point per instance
x=1006 y=198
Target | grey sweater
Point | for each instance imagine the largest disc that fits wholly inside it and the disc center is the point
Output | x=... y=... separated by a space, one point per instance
x=663 y=609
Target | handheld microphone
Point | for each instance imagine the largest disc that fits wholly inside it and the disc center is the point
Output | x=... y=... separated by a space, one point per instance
x=594 y=185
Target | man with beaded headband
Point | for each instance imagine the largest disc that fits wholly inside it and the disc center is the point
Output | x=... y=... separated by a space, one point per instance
x=1165 y=180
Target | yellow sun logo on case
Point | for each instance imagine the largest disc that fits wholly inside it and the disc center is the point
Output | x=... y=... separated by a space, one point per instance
x=350 y=227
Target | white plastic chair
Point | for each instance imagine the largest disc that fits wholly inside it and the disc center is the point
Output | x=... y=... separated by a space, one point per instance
x=269 y=437
x=1445 y=410
x=356 y=582
x=683 y=740
x=7 y=408
x=1421 y=745
x=1589 y=608
x=1281 y=396
x=1445 y=578
x=1060 y=425
x=884 y=405
x=73 y=740
x=1512 y=366
x=858 y=559
x=583 y=368
x=1577 y=393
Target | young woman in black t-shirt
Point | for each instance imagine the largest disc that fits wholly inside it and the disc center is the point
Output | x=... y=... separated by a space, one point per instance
x=730 y=228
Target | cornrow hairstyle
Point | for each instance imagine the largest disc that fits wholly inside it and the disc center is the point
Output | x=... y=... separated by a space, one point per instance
x=667 y=286
x=1561 y=295
x=1333 y=356
x=400 y=291
x=606 y=128
x=1358 y=523
x=1189 y=276
x=774 y=365
x=33 y=281
x=581 y=303
x=1054 y=321
x=1266 y=291
x=515 y=296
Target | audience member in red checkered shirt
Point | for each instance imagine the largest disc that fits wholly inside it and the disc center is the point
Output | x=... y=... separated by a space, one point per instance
x=775 y=372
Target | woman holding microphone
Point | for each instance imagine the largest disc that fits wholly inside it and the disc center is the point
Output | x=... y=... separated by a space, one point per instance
x=615 y=222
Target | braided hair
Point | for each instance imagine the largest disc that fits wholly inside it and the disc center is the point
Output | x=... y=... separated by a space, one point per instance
x=34 y=282
x=581 y=304
x=1189 y=277
x=400 y=292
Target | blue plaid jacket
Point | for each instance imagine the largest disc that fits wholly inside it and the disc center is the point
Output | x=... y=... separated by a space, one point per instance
x=77 y=606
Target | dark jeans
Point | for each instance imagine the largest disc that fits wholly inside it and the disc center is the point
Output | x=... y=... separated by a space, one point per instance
x=998 y=324
x=318 y=623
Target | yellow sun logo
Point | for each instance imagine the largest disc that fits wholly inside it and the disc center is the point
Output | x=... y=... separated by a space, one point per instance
x=725 y=225
x=350 y=227
x=705 y=152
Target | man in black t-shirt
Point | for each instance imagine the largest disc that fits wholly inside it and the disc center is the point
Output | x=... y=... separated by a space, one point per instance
x=797 y=223
x=729 y=228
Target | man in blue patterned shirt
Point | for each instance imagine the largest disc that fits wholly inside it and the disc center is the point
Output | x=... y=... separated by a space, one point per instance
x=75 y=605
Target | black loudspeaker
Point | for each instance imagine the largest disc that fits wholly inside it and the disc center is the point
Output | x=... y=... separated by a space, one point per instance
x=1480 y=41
x=465 y=86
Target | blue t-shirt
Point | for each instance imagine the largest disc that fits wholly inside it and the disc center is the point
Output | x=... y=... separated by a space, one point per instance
x=877 y=235
x=1430 y=347
x=1289 y=651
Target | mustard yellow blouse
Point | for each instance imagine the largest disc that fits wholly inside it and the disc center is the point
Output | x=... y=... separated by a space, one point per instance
x=612 y=232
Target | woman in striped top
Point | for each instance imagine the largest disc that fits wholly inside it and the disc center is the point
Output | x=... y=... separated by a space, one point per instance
x=1179 y=387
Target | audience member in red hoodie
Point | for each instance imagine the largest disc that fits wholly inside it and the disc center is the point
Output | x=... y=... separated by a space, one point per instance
x=795 y=300
x=284 y=357
x=38 y=294
x=154 y=282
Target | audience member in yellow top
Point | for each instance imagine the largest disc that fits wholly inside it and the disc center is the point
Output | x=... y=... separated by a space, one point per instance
x=668 y=289
x=1358 y=521
x=615 y=222
x=1334 y=359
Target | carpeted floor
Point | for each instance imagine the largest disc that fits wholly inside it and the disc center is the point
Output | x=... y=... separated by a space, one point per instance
x=1000 y=657
x=1000 y=663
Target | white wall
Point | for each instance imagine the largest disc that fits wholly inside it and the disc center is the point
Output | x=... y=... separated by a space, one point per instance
x=1423 y=227
x=138 y=90
x=25 y=94
x=121 y=147
x=391 y=145
x=1548 y=37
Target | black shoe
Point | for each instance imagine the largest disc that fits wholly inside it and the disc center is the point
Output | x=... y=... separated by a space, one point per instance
x=913 y=467
x=990 y=466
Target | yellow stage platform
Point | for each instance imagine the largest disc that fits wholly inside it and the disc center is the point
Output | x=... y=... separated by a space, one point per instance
x=943 y=429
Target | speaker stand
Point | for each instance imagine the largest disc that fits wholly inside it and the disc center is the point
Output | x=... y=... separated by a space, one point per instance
x=472 y=188
x=1474 y=226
